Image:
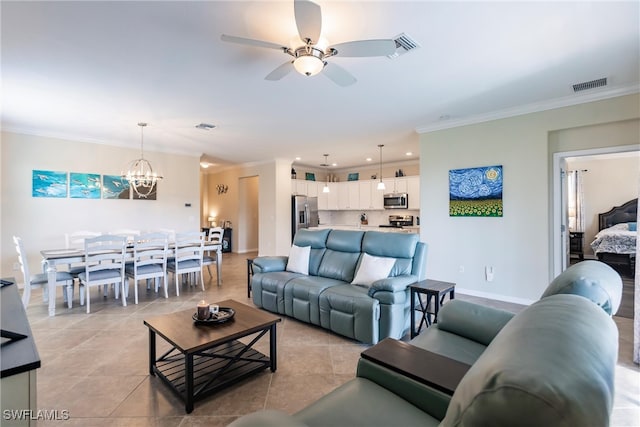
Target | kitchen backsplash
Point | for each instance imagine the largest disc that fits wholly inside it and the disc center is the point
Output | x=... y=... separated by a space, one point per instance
x=353 y=217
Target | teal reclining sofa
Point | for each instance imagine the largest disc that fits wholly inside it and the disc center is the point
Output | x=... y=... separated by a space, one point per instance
x=326 y=297
x=552 y=364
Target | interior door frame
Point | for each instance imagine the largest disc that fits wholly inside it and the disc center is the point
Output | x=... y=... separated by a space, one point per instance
x=559 y=237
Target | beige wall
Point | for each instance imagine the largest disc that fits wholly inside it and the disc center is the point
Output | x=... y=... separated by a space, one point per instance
x=274 y=204
x=43 y=222
x=518 y=246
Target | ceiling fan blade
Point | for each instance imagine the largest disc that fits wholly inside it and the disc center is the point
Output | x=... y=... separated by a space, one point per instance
x=308 y=20
x=338 y=75
x=280 y=72
x=380 y=47
x=251 y=42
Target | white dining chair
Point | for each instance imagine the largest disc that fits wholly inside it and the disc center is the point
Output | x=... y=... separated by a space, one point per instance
x=149 y=262
x=104 y=265
x=187 y=257
x=75 y=240
x=214 y=237
x=63 y=278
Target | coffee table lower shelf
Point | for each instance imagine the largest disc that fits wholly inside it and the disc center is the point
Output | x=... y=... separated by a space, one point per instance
x=213 y=369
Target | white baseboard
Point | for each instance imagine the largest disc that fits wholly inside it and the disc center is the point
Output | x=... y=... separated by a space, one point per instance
x=244 y=251
x=498 y=297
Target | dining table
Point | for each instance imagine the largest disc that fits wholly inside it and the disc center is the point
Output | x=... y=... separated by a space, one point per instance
x=52 y=258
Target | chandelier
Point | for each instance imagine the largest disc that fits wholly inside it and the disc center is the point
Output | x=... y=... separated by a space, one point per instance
x=139 y=173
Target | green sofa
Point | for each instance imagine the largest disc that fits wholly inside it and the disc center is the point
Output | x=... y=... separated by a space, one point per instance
x=326 y=297
x=550 y=365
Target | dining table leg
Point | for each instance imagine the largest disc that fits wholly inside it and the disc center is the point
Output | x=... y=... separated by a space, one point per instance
x=219 y=264
x=51 y=279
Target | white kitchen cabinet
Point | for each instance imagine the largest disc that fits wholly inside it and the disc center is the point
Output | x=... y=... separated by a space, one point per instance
x=395 y=185
x=353 y=191
x=299 y=187
x=348 y=195
x=377 y=200
x=312 y=188
x=361 y=195
x=370 y=196
x=323 y=201
x=332 y=196
x=364 y=188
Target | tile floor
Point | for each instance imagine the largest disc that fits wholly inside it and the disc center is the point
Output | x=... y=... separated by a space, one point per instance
x=95 y=365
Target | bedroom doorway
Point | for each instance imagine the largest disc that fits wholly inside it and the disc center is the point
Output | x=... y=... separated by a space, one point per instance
x=603 y=170
x=560 y=221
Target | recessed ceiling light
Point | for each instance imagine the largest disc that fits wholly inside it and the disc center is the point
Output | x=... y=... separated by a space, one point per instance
x=368 y=159
x=409 y=153
x=334 y=164
x=298 y=158
x=205 y=126
x=205 y=164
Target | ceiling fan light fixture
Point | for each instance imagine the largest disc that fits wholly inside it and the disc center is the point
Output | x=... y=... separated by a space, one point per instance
x=309 y=61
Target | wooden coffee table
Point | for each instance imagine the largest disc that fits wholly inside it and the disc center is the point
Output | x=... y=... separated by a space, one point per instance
x=204 y=359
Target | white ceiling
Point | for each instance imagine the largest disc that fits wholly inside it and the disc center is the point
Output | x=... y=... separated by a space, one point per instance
x=90 y=71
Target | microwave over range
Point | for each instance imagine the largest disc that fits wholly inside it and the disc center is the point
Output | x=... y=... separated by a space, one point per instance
x=396 y=201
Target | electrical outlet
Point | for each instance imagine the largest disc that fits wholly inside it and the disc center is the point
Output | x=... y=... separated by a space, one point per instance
x=16 y=266
x=488 y=272
x=461 y=269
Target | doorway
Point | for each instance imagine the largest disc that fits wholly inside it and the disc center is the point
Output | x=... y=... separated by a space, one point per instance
x=559 y=223
x=604 y=171
x=248 y=223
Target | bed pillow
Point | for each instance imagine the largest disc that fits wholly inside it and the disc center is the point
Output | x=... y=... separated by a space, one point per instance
x=298 y=261
x=633 y=226
x=372 y=268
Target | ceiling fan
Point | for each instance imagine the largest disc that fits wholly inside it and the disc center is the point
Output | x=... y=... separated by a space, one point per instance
x=309 y=59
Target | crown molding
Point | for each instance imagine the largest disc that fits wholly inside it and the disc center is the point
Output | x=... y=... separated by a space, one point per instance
x=73 y=138
x=536 y=107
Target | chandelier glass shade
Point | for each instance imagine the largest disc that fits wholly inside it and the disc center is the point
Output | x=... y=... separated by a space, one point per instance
x=139 y=172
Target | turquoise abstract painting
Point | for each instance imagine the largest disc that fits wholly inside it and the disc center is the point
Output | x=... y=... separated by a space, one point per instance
x=84 y=185
x=114 y=187
x=49 y=184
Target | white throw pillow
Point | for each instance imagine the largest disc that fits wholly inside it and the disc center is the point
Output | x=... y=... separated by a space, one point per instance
x=373 y=268
x=299 y=259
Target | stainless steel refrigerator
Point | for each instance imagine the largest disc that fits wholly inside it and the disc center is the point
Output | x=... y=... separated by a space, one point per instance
x=304 y=213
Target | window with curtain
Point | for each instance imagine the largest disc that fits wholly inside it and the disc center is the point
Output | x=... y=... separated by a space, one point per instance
x=575 y=200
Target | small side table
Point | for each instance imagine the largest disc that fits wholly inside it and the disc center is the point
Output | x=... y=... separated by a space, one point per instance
x=249 y=275
x=576 y=241
x=434 y=290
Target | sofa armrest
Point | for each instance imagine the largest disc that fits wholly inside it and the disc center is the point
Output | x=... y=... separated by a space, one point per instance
x=425 y=379
x=265 y=264
x=431 y=369
x=473 y=321
x=267 y=418
x=392 y=284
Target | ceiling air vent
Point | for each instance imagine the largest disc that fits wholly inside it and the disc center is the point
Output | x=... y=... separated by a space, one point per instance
x=404 y=43
x=205 y=126
x=590 y=85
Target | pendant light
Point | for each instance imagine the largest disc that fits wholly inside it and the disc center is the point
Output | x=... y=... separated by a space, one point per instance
x=139 y=173
x=381 y=184
x=326 y=189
